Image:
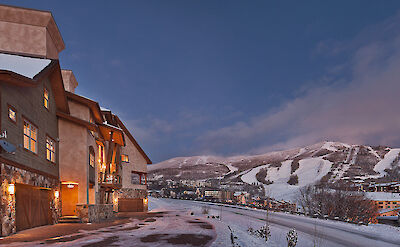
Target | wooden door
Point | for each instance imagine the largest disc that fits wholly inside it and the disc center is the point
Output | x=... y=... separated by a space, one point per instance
x=69 y=199
x=130 y=205
x=32 y=205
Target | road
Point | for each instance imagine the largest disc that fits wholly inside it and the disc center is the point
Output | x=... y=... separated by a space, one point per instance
x=328 y=233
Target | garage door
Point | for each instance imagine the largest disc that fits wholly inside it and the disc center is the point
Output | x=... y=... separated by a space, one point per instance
x=130 y=205
x=32 y=206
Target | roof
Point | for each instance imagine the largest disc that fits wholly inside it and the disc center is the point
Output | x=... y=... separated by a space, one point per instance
x=132 y=139
x=93 y=105
x=111 y=133
x=25 y=66
x=383 y=196
x=23 y=71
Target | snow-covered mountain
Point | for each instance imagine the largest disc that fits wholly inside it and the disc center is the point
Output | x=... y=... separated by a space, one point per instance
x=284 y=172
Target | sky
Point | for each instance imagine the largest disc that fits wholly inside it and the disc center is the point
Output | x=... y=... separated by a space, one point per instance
x=237 y=77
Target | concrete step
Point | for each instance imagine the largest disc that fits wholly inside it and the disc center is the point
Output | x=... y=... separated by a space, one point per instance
x=69 y=219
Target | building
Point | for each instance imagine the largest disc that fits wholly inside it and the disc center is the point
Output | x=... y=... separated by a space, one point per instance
x=393 y=187
x=132 y=196
x=31 y=94
x=219 y=195
x=89 y=164
x=61 y=156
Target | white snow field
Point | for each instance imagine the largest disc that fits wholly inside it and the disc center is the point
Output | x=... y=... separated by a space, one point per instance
x=310 y=171
x=311 y=232
x=387 y=161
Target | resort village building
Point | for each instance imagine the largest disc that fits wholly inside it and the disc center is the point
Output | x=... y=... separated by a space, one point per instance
x=62 y=158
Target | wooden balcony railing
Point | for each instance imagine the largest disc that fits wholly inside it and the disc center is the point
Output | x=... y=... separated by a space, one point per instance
x=109 y=180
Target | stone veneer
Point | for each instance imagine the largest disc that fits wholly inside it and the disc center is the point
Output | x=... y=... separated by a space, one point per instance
x=12 y=175
x=94 y=212
x=129 y=193
x=132 y=193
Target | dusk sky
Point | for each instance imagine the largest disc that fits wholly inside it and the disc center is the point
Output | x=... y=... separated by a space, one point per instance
x=237 y=77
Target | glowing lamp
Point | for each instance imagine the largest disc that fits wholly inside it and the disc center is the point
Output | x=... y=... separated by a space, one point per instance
x=145 y=200
x=56 y=194
x=70 y=186
x=116 y=200
x=11 y=189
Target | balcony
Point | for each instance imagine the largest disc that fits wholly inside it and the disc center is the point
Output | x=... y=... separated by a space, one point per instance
x=110 y=181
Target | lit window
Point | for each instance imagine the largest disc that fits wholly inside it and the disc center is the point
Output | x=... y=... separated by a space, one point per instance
x=30 y=137
x=124 y=158
x=50 y=150
x=91 y=158
x=46 y=98
x=12 y=114
x=101 y=154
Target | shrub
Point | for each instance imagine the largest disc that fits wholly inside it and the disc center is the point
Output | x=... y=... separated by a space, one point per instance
x=293 y=180
x=294 y=166
x=291 y=238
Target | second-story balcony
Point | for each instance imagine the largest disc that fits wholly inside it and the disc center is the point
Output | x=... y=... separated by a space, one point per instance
x=110 y=180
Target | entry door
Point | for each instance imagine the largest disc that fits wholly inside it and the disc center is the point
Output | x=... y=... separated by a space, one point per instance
x=32 y=206
x=69 y=199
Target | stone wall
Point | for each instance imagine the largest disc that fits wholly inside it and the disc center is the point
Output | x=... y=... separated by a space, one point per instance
x=94 y=212
x=132 y=193
x=12 y=175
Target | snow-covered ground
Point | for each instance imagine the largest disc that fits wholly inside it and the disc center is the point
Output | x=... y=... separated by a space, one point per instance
x=311 y=232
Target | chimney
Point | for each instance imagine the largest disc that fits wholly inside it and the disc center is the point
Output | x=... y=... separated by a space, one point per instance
x=29 y=32
x=69 y=80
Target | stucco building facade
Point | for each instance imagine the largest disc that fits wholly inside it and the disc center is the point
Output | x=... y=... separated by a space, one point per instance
x=31 y=94
x=60 y=154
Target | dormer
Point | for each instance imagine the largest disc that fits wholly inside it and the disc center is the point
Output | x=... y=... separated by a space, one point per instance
x=29 y=32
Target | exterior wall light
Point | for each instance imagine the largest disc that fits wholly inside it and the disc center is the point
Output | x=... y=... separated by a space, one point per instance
x=56 y=194
x=11 y=189
x=145 y=200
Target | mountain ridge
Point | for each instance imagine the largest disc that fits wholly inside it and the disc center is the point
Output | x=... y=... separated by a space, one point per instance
x=321 y=162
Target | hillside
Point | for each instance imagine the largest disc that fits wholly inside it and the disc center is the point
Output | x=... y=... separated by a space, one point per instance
x=326 y=161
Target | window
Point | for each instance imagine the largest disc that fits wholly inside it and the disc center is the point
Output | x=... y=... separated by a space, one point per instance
x=138 y=178
x=12 y=114
x=91 y=121
x=91 y=156
x=101 y=154
x=124 y=158
x=30 y=137
x=50 y=149
x=46 y=98
x=135 y=178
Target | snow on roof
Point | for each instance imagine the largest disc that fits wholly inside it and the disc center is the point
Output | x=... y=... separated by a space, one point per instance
x=104 y=109
x=25 y=66
x=383 y=196
x=112 y=126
